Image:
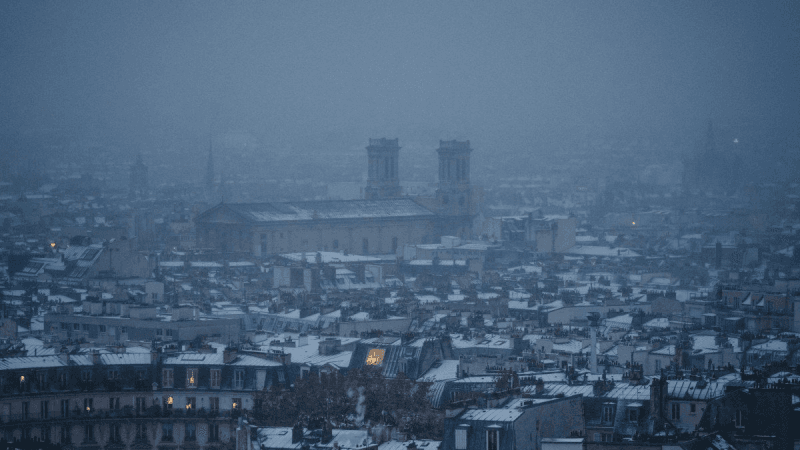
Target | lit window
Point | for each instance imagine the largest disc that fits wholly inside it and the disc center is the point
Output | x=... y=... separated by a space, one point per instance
x=236 y=404
x=191 y=377
x=375 y=356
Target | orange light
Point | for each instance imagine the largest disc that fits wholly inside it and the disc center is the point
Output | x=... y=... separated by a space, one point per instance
x=22 y=378
x=53 y=244
x=169 y=400
x=188 y=406
x=634 y=223
x=375 y=356
x=234 y=405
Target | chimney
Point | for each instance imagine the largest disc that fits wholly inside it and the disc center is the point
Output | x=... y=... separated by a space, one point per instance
x=95 y=357
x=63 y=354
x=297 y=433
x=229 y=354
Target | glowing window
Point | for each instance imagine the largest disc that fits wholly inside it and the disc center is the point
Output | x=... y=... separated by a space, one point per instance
x=191 y=377
x=375 y=356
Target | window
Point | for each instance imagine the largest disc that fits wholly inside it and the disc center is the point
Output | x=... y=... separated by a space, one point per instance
x=113 y=374
x=62 y=379
x=159 y=332
x=140 y=405
x=676 y=411
x=213 y=404
x=191 y=378
x=88 y=403
x=86 y=376
x=88 y=433
x=633 y=414
x=213 y=432
x=167 y=380
x=114 y=434
x=238 y=379
x=46 y=434
x=461 y=439
x=335 y=244
x=608 y=413
x=41 y=379
x=168 y=401
x=492 y=439
x=141 y=375
x=190 y=403
x=66 y=436
x=692 y=407
x=113 y=402
x=166 y=432
x=658 y=365
x=76 y=326
x=44 y=410
x=64 y=408
x=236 y=403
x=216 y=378
x=169 y=332
x=191 y=432
x=365 y=246
x=102 y=328
x=738 y=419
x=394 y=244
x=141 y=432
x=25 y=410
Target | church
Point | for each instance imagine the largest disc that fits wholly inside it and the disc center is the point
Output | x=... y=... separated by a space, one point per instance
x=381 y=223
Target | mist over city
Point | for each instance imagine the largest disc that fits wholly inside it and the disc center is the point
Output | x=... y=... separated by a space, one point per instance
x=400 y=225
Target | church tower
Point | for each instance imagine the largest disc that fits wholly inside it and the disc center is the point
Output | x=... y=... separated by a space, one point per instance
x=383 y=177
x=454 y=194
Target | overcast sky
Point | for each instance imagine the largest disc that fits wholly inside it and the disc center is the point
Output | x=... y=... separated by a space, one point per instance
x=461 y=69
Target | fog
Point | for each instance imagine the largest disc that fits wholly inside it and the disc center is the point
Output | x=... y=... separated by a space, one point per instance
x=516 y=78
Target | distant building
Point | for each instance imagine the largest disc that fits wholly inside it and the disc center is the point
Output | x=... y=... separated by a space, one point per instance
x=380 y=224
x=138 y=184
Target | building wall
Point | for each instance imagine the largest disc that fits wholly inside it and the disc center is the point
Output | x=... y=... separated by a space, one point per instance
x=120 y=329
x=383 y=237
x=555 y=419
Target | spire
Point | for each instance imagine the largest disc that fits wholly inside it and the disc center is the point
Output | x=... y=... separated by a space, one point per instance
x=209 y=179
x=710 y=147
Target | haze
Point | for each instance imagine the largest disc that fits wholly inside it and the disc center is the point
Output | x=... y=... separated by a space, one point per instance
x=324 y=76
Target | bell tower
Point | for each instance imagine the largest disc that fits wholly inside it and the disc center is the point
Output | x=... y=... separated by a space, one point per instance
x=454 y=193
x=383 y=178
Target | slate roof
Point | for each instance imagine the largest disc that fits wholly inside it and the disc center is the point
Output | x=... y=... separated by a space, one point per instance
x=680 y=389
x=325 y=210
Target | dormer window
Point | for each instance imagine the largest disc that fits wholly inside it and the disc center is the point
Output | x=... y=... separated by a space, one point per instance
x=608 y=412
x=461 y=437
x=191 y=378
x=493 y=437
